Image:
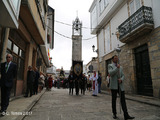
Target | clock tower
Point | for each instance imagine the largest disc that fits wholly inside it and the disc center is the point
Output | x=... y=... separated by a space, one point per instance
x=77 y=40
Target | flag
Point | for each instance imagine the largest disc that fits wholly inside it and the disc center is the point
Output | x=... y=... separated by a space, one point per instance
x=49 y=54
x=77 y=68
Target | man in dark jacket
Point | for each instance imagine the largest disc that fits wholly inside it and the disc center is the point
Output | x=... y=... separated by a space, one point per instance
x=30 y=81
x=35 y=84
x=99 y=82
x=83 y=84
x=8 y=73
x=71 y=82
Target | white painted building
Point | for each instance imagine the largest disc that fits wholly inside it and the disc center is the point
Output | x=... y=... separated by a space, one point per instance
x=134 y=19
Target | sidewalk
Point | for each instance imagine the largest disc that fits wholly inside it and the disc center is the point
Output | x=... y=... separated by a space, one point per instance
x=21 y=106
x=139 y=98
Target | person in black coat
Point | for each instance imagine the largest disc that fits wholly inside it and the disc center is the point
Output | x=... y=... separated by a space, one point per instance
x=30 y=81
x=99 y=82
x=71 y=82
x=8 y=73
x=35 y=84
x=83 y=84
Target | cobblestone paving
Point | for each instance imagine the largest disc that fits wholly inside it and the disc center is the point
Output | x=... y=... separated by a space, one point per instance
x=58 y=105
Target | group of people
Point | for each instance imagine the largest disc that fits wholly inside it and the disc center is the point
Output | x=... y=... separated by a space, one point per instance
x=91 y=83
x=8 y=71
x=37 y=81
x=116 y=85
x=32 y=81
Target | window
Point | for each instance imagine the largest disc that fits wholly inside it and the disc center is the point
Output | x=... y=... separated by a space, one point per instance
x=15 y=49
x=20 y=71
x=21 y=53
x=94 y=17
x=106 y=3
x=15 y=4
x=107 y=39
x=134 y=5
x=102 y=5
x=9 y=45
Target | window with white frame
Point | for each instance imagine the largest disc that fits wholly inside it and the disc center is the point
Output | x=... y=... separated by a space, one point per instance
x=101 y=43
x=107 y=39
x=106 y=3
x=94 y=17
x=102 y=5
x=15 y=3
x=134 y=5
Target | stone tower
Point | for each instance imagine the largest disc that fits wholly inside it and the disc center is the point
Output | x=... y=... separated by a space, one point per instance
x=77 y=40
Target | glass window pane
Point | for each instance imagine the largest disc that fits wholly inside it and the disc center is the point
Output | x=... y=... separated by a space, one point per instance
x=20 y=52
x=20 y=71
x=23 y=54
x=15 y=3
x=138 y=4
x=105 y=3
x=15 y=49
x=131 y=7
x=9 y=45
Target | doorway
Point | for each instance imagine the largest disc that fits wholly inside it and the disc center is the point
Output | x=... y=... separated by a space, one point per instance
x=143 y=71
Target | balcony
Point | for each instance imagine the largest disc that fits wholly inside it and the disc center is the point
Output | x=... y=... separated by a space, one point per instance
x=138 y=24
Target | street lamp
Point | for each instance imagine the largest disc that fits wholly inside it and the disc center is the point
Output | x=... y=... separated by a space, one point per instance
x=93 y=47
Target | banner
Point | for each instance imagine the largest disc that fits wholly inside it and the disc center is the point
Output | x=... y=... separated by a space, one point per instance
x=77 y=68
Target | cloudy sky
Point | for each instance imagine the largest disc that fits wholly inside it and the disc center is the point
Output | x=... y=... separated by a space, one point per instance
x=66 y=12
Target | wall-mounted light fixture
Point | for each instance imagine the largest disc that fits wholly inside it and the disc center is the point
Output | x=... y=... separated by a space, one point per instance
x=93 y=47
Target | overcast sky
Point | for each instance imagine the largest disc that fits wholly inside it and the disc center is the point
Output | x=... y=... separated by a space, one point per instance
x=66 y=12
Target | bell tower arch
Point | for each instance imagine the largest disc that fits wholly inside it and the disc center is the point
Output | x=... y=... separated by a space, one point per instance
x=77 y=40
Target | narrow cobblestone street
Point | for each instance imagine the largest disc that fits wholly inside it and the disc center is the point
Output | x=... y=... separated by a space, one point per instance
x=58 y=105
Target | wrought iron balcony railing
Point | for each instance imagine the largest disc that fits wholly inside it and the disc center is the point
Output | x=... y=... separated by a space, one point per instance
x=141 y=17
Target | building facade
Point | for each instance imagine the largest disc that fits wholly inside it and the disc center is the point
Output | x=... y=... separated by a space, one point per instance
x=26 y=42
x=134 y=26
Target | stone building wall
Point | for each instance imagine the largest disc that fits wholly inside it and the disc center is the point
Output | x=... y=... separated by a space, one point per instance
x=127 y=61
x=154 y=52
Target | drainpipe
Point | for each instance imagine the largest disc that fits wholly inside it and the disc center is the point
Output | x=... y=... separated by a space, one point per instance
x=5 y=35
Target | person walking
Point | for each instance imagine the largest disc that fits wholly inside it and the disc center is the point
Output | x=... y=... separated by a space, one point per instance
x=50 y=82
x=89 y=83
x=99 y=82
x=71 y=82
x=35 y=84
x=83 y=84
x=94 y=84
x=117 y=86
x=8 y=73
x=41 y=82
x=30 y=81
x=77 y=81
